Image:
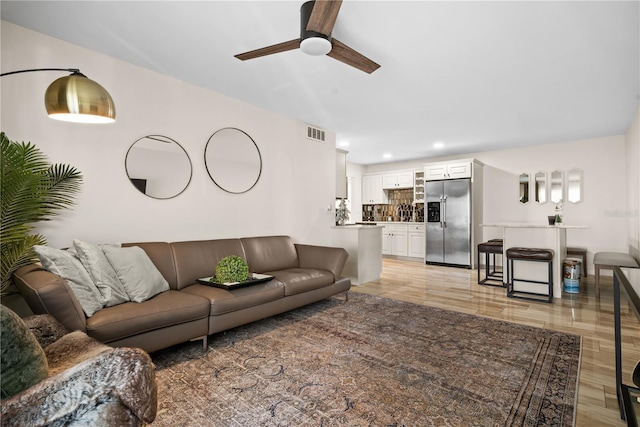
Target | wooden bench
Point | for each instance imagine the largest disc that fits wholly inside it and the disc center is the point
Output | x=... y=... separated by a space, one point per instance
x=608 y=260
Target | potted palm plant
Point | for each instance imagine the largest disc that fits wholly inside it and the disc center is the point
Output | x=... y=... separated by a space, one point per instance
x=31 y=190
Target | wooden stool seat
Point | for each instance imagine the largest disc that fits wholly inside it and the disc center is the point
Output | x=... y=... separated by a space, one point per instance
x=531 y=255
x=492 y=276
x=608 y=260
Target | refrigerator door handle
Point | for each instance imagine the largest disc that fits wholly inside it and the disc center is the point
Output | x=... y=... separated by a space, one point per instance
x=444 y=211
x=441 y=211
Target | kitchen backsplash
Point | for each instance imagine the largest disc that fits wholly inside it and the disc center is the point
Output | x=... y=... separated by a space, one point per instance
x=400 y=208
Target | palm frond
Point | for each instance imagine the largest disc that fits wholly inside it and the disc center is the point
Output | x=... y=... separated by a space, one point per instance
x=31 y=190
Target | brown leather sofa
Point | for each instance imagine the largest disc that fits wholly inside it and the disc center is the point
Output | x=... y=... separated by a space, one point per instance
x=191 y=311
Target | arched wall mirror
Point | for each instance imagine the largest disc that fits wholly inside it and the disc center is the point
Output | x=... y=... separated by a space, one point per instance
x=523 y=186
x=233 y=160
x=574 y=185
x=540 y=187
x=158 y=166
x=557 y=186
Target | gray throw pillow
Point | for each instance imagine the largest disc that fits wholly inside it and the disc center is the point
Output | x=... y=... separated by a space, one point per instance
x=103 y=275
x=67 y=266
x=139 y=276
x=22 y=360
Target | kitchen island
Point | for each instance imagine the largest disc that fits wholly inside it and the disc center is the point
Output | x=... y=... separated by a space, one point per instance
x=364 y=244
x=541 y=236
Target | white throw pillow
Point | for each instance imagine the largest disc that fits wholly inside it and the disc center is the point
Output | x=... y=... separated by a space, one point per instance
x=67 y=266
x=139 y=276
x=101 y=272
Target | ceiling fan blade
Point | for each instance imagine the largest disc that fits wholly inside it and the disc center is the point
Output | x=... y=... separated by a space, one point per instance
x=269 y=50
x=344 y=53
x=323 y=16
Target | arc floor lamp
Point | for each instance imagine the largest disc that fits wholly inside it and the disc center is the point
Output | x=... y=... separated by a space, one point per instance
x=76 y=98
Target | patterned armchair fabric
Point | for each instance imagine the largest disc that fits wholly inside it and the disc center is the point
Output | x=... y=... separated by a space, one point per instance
x=88 y=383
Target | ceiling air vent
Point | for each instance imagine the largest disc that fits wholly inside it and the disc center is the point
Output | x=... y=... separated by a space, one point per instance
x=315 y=133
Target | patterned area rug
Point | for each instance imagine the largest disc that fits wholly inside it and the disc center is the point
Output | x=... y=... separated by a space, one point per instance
x=371 y=362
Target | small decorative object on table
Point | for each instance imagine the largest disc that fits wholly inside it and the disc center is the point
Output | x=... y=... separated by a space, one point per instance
x=232 y=272
x=559 y=213
x=232 y=269
x=342 y=213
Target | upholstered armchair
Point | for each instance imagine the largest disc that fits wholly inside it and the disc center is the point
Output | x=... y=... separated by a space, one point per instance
x=54 y=378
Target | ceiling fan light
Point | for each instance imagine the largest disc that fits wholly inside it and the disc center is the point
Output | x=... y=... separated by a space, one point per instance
x=315 y=46
x=76 y=98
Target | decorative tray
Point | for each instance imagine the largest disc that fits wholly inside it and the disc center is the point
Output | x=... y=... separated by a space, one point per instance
x=253 y=280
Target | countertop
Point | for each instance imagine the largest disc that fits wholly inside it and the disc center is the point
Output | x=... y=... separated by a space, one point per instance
x=382 y=223
x=355 y=226
x=526 y=225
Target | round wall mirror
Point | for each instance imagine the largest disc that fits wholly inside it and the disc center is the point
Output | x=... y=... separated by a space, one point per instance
x=158 y=166
x=233 y=160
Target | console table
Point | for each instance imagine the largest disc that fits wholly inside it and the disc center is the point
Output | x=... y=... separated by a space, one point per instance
x=627 y=279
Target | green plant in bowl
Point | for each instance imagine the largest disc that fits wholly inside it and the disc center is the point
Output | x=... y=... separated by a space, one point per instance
x=232 y=269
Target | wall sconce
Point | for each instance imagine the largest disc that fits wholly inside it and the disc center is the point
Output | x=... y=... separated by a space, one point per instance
x=75 y=98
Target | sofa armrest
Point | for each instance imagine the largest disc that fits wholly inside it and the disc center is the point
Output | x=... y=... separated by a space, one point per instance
x=48 y=293
x=322 y=257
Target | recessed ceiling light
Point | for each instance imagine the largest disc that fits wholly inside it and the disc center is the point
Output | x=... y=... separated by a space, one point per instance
x=343 y=143
x=386 y=156
x=438 y=145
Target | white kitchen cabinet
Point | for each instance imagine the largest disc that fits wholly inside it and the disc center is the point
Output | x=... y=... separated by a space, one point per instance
x=397 y=180
x=452 y=170
x=372 y=192
x=415 y=241
x=394 y=239
x=399 y=244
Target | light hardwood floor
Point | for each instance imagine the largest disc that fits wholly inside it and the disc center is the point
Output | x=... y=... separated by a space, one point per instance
x=583 y=314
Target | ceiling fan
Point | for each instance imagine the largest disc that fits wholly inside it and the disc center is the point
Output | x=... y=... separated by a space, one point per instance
x=317 y=19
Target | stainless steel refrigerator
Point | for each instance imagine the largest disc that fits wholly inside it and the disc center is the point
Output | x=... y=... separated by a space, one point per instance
x=448 y=222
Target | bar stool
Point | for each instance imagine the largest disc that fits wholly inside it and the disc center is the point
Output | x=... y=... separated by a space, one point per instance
x=529 y=255
x=492 y=277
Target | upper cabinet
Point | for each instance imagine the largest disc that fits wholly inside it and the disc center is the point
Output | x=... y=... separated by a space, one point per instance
x=396 y=180
x=372 y=192
x=452 y=170
x=418 y=187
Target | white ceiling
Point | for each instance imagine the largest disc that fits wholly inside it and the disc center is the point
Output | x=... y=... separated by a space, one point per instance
x=475 y=75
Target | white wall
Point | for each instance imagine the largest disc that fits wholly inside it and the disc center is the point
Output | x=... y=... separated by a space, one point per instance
x=295 y=190
x=633 y=186
x=603 y=161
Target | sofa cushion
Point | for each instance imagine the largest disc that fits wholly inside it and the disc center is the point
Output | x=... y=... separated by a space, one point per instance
x=299 y=280
x=198 y=258
x=139 y=276
x=101 y=272
x=224 y=301
x=22 y=360
x=165 y=309
x=270 y=253
x=67 y=266
x=162 y=257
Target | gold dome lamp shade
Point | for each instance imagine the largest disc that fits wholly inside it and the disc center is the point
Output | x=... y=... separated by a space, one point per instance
x=76 y=98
